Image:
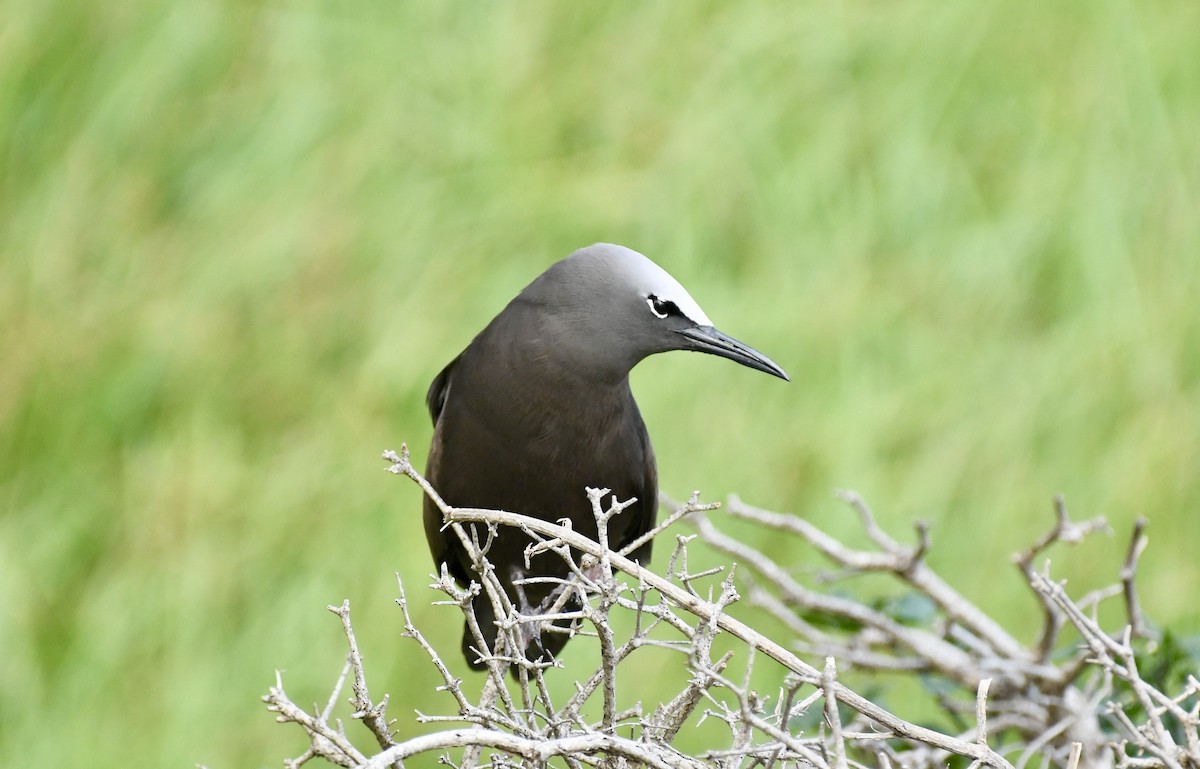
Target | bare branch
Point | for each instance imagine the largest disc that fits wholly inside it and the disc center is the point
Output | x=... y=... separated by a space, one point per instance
x=906 y=563
x=1133 y=608
x=700 y=608
x=832 y=717
x=981 y=711
x=1064 y=530
x=374 y=717
x=1043 y=705
x=536 y=750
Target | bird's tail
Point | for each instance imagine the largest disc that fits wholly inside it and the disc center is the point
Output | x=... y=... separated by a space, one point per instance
x=541 y=644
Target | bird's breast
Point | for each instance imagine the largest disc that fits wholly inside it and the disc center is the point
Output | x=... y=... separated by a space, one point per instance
x=537 y=454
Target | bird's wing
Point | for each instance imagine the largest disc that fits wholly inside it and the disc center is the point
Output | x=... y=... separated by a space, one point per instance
x=435 y=399
x=439 y=541
x=646 y=508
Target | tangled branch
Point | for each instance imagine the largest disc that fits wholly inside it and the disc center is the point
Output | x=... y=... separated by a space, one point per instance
x=1004 y=704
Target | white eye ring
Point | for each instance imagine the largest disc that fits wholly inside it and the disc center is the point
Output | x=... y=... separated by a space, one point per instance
x=650 y=302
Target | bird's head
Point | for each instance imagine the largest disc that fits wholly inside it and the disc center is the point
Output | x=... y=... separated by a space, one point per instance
x=607 y=307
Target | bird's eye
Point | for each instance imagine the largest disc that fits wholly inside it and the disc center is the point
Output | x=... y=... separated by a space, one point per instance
x=661 y=307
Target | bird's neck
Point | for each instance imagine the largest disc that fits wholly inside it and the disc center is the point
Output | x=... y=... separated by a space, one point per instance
x=544 y=393
x=547 y=349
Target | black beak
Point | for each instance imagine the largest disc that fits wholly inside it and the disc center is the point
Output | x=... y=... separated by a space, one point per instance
x=708 y=339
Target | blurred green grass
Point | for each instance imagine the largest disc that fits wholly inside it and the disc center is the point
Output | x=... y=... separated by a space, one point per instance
x=237 y=239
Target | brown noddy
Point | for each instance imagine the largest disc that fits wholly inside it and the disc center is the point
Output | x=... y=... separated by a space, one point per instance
x=538 y=407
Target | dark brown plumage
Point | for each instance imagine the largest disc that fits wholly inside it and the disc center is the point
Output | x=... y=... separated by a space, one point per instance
x=538 y=407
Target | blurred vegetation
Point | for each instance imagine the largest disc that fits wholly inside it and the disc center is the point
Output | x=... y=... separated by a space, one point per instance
x=237 y=240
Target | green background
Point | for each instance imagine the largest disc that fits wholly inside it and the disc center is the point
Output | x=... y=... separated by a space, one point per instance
x=238 y=239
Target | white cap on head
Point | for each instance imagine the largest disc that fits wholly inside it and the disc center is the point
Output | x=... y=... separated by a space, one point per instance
x=651 y=280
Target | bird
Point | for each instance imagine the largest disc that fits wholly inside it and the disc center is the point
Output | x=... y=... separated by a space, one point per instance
x=538 y=407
